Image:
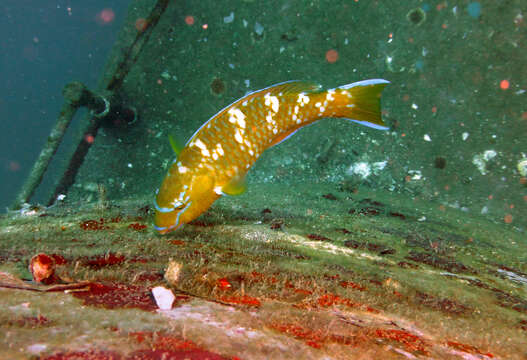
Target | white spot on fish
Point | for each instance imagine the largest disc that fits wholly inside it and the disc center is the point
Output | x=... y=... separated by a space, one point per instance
x=238 y=137
x=200 y=144
x=303 y=99
x=215 y=156
x=182 y=169
x=237 y=116
x=329 y=95
x=220 y=149
x=269 y=118
x=272 y=101
x=318 y=104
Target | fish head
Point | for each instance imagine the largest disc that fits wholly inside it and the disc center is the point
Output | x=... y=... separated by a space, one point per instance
x=181 y=199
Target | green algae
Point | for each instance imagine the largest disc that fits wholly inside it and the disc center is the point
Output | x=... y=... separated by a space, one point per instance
x=424 y=268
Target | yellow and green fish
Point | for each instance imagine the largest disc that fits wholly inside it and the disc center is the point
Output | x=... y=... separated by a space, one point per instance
x=216 y=158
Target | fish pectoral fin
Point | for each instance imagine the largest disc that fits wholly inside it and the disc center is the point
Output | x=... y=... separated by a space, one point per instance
x=236 y=186
x=176 y=146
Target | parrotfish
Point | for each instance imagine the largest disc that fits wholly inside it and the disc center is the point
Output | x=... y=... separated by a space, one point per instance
x=217 y=157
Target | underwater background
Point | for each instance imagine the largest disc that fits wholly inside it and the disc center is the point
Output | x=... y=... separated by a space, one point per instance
x=45 y=45
x=455 y=106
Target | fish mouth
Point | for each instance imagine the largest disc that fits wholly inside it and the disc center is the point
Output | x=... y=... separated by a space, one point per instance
x=161 y=219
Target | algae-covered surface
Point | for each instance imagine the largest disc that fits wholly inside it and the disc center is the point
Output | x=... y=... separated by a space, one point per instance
x=305 y=271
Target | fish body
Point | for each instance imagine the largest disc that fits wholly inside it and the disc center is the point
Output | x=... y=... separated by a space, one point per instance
x=216 y=158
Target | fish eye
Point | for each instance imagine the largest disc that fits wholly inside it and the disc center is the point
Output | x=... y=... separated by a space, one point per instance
x=178 y=205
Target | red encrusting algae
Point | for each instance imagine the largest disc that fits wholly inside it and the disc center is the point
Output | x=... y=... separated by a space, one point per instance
x=241 y=300
x=93 y=225
x=411 y=342
x=115 y=295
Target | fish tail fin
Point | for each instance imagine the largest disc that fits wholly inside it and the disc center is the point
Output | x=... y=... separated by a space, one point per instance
x=361 y=102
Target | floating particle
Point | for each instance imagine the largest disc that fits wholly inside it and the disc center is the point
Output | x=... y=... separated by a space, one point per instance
x=440 y=162
x=427 y=137
x=332 y=56
x=416 y=16
x=507 y=218
x=217 y=86
x=426 y=7
x=504 y=84
x=229 y=19
x=89 y=138
x=14 y=166
x=474 y=9
x=258 y=29
x=141 y=24
x=105 y=16
x=464 y=136
x=189 y=20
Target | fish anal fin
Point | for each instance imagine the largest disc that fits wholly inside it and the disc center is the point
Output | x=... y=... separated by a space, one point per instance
x=236 y=186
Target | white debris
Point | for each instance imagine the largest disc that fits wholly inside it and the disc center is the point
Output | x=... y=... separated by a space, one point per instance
x=229 y=19
x=480 y=160
x=414 y=106
x=36 y=349
x=522 y=165
x=513 y=276
x=415 y=174
x=166 y=75
x=379 y=165
x=464 y=136
x=164 y=297
x=427 y=137
x=422 y=218
x=362 y=169
x=484 y=210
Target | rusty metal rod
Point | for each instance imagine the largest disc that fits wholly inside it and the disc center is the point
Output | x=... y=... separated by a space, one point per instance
x=76 y=95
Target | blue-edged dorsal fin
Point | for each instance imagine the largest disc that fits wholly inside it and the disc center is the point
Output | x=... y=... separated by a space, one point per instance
x=292 y=87
x=236 y=186
x=176 y=146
